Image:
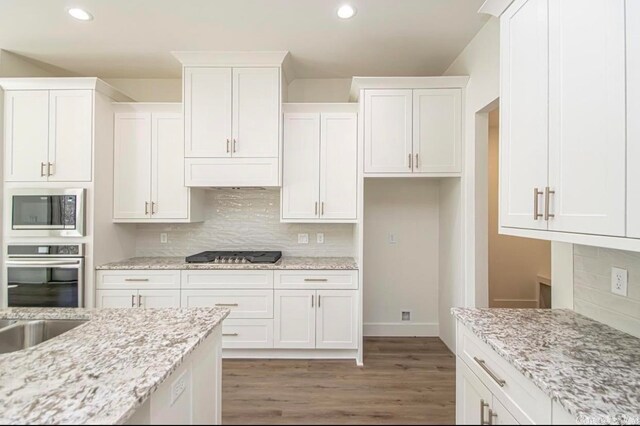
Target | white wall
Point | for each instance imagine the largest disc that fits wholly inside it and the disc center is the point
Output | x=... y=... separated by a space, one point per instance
x=319 y=90
x=12 y=65
x=592 y=287
x=514 y=263
x=404 y=275
x=149 y=89
x=480 y=60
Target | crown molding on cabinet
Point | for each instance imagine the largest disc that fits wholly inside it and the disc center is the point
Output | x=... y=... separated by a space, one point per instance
x=360 y=83
x=64 y=83
x=494 y=7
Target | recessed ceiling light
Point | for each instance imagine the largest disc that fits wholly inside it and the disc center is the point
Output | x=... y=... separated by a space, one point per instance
x=346 y=11
x=80 y=14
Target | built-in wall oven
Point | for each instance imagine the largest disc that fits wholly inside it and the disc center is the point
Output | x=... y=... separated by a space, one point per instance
x=47 y=212
x=46 y=275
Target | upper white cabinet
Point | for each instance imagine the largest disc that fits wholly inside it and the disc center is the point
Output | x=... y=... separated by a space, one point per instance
x=48 y=135
x=563 y=146
x=633 y=118
x=413 y=132
x=232 y=118
x=320 y=164
x=149 y=166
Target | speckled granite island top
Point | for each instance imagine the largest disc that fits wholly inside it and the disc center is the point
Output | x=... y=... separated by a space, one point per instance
x=286 y=262
x=99 y=372
x=591 y=369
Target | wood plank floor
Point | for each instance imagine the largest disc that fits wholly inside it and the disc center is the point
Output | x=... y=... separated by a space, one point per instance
x=404 y=381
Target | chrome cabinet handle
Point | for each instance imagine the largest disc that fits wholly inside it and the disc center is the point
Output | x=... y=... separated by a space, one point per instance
x=133 y=300
x=491 y=374
x=322 y=208
x=417 y=161
x=315 y=280
x=235 y=142
x=42 y=173
x=410 y=161
x=312 y=300
x=146 y=208
x=137 y=279
x=547 y=197
x=536 y=194
x=227 y=145
x=139 y=301
x=492 y=416
x=316 y=209
x=230 y=334
x=51 y=169
x=227 y=304
x=319 y=298
x=483 y=405
x=153 y=208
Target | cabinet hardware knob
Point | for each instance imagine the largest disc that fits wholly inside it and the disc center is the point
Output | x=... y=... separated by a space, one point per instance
x=483 y=405
x=146 y=208
x=312 y=300
x=51 y=169
x=235 y=143
x=139 y=301
x=536 y=194
x=417 y=161
x=322 y=208
x=42 y=173
x=315 y=211
x=133 y=300
x=227 y=145
x=319 y=298
x=547 y=198
x=153 y=208
x=491 y=374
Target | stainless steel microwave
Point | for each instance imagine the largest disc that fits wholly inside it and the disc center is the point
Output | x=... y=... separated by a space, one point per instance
x=51 y=212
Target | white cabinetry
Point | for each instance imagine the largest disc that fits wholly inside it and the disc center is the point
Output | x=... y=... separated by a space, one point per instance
x=232 y=118
x=413 y=132
x=295 y=319
x=633 y=118
x=149 y=166
x=473 y=398
x=563 y=146
x=320 y=165
x=138 y=289
x=49 y=135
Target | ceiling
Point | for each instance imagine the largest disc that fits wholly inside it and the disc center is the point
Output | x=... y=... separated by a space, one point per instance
x=134 y=38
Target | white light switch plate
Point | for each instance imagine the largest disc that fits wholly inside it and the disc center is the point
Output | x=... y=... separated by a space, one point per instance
x=619 y=278
x=303 y=238
x=320 y=238
x=164 y=238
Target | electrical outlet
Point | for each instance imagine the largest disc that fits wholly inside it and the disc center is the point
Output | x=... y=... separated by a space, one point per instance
x=320 y=238
x=178 y=387
x=303 y=238
x=392 y=238
x=619 y=279
x=164 y=238
x=406 y=315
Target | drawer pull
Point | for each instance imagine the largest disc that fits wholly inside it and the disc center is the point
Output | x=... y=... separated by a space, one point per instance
x=230 y=334
x=137 y=279
x=227 y=304
x=316 y=280
x=483 y=365
x=493 y=417
x=483 y=405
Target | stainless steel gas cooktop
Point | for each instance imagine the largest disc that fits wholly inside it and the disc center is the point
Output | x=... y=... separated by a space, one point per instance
x=235 y=257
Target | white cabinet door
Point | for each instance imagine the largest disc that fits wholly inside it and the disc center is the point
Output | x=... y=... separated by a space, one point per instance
x=523 y=113
x=26 y=135
x=70 y=135
x=473 y=399
x=132 y=174
x=500 y=415
x=301 y=162
x=116 y=298
x=256 y=112
x=387 y=131
x=159 y=298
x=633 y=118
x=587 y=139
x=207 y=112
x=338 y=165
x=337 y=319
x=437 y=130
x=169 y=195
x=294 y=319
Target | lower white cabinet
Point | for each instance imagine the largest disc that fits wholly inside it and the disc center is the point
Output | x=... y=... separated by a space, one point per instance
x=247 y=333
x=472 y=397
x=322 y=319
x=243 y=304
x=138 y=298
x=138 y=289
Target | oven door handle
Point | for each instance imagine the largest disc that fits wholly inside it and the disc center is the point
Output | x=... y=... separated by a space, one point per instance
x=44 y=263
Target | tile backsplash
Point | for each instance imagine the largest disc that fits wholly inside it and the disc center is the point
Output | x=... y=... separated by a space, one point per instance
x=592 y=295
x=246 y=219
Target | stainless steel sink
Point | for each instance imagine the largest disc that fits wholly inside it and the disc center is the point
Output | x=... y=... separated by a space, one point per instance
x=25 y=334
x=6 y=323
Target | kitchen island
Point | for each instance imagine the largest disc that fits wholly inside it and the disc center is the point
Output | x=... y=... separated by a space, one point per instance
x=120 y=366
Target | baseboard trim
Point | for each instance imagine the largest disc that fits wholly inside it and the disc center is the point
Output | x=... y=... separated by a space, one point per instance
x=398 y=329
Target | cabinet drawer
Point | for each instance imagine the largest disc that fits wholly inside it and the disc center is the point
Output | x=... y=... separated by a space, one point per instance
x=156 y=279
x=247 y=334
x=242 y=303
x=520 y=397
x=224 y=279
x=323 y=280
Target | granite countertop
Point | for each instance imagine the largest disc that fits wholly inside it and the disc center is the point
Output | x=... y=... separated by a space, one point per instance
x=285 y=262
x=99 y=372
x=591 y=369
